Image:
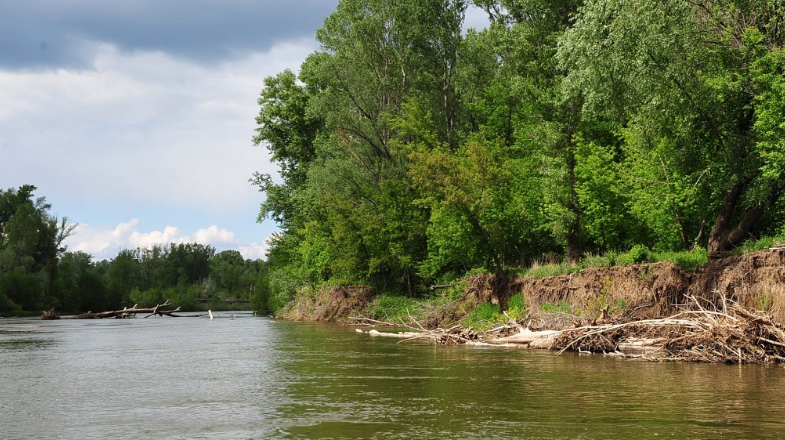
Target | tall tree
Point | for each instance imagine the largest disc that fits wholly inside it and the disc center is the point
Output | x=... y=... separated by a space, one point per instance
x=704 y=75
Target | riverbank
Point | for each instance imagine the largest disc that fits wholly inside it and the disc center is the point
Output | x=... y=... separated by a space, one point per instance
x=621 y=294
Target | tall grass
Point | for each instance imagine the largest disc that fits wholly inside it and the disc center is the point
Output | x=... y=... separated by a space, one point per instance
x=759 y=245
x=687 y=260
x=394 y=308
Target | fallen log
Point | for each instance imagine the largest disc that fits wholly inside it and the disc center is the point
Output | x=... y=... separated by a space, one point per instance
x=530 y=339
x=159 y=309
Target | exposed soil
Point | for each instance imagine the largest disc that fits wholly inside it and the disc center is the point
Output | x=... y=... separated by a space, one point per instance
x=334 y=304
x=756 y=282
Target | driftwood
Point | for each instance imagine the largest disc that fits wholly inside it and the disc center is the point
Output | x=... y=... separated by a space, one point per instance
x=728 y=334
x=159 y=309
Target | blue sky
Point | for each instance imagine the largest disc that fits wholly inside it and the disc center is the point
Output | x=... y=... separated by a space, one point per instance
x=134 y=118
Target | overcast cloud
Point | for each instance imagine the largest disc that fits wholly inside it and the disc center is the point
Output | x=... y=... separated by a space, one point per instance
x=135 y=118
x=69 y=33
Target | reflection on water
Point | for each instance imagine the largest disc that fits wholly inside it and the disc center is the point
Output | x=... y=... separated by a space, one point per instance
x=257 y=378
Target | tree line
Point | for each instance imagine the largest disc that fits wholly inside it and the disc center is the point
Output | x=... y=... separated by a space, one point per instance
x=410 y=151
x=38 y=273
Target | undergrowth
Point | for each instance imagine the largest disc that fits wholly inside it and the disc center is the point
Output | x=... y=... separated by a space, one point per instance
x=687 y=260
x=484 y=317
x=759 y=245
x=394 y=308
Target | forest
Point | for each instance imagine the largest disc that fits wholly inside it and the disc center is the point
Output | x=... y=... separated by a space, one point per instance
x=412 y=151
x=37 y=272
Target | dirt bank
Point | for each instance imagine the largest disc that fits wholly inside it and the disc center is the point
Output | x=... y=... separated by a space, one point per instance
x=755 y=281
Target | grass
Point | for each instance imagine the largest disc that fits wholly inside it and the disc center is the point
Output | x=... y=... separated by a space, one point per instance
x=516 y=307
x=687 y=260
x=759 y=245
x=394 y=308
x=484 y=317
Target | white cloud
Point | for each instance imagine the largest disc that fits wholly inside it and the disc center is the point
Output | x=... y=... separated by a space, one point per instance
x=254 y=251
x=215 y=236
x=105 y=243
x=475 y=18
x=170 y=234
x=142 y=127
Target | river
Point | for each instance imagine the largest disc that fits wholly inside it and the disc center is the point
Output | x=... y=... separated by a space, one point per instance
x=257 y=378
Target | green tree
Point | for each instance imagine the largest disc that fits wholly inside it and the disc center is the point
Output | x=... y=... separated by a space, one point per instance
x=700 y=75
x=226 y=269
x=123 y=276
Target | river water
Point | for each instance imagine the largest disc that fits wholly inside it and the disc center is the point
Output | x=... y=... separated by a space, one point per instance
x=256 y=378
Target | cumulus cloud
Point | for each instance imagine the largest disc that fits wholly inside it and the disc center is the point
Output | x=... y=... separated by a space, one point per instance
x=104 y=243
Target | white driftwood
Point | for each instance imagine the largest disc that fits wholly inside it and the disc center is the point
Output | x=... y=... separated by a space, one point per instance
x=529 y=338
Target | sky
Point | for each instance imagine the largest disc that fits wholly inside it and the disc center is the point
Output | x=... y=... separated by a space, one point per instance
x=135 y=118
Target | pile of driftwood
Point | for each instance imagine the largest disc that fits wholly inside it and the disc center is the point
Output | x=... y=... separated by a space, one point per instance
x=160 y=310
x=455 y=335
x=728 y=333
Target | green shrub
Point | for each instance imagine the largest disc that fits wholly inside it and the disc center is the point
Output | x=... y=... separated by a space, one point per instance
x=393 y=308
x=484 y=316
x=516 y=308
x=637 y=255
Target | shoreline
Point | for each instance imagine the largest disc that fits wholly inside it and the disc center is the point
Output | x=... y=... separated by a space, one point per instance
x=734 y=292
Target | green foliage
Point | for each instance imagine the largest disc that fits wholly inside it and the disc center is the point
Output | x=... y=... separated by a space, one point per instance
x=637 y=255
x=484 y=317
x=394 y=308
x=410 y=153
x=21 y=292
x=687 y=260
x=516 y=307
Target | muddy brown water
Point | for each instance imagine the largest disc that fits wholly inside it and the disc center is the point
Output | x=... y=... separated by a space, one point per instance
x=255 y=378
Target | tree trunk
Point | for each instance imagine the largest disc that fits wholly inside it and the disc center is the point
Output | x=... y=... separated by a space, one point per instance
x=723 y=238
x=718 y=243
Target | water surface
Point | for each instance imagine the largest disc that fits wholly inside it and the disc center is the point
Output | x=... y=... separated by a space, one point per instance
x=255 y=378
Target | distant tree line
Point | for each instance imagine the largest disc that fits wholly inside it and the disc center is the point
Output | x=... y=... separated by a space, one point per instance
x=37 y=272
x=411 y=152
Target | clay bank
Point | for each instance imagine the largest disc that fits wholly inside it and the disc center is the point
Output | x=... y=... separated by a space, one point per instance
x=730 y=310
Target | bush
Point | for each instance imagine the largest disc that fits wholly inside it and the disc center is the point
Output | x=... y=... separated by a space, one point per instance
x=516 y=308
x=637 y=255
x=484 y=316
x=21 y=291
x=393 y=308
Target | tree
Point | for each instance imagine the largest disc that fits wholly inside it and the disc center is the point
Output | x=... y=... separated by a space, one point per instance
x=701 y=75
x=226 y=269
x=123 y=276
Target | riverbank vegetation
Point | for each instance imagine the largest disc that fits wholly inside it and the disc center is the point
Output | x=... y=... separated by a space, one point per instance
x=566 y=135
x=37 y=273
